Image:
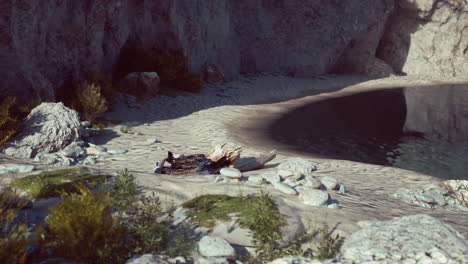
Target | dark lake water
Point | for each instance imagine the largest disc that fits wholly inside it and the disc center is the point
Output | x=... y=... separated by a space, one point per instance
x=402 y=127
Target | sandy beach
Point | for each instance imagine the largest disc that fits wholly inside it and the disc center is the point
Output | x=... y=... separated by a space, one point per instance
x=237 y=112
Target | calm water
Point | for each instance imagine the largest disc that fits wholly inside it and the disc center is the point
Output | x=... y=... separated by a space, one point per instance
x=368 y=127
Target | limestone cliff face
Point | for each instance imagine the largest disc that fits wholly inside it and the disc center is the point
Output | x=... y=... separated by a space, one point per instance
x=43 y=42
x=427 y=37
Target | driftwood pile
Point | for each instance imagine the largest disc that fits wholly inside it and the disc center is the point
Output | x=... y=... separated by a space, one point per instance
x=223 y=155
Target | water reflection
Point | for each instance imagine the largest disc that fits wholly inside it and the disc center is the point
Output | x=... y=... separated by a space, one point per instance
x=368 y=127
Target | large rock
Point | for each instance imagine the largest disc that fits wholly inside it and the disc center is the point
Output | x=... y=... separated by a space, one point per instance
x=50 y=127
x=407 y=239
x=297 y=166
x=314 y=197
x=427 y=37
x=42 y=41
x=215 y=247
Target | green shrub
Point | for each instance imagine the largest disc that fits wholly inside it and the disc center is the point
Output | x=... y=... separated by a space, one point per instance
x=265 y=221
x=14 y=233
x=91 y=100
x=328 y=246
x=49 y=184
x=82 y=229
x=261 y=217
x=182 y=242
x=125 y=192
x=104 y=81
x=148 y=223
x=9 y=125
x=151 y=232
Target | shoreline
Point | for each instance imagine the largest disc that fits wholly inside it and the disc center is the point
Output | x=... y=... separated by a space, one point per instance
x=193 y=124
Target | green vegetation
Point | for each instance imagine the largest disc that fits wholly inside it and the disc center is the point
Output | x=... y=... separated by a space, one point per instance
x=9 y=124
x=49 y=184
x=147 y=221
x=170 y=65
x=90 y=100
x=125 y=192
x=14 y=235
x=151 y=232
x=82 y=229
x=264 y=221
x=104 y=81
x=328 y=246
x=261 y=217
x=111 y=226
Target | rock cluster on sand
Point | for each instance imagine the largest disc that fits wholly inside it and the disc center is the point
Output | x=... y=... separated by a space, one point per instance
x=294 y=176
x=449 y=194
x=407 y=239
x=53 y=135
x=50 y=127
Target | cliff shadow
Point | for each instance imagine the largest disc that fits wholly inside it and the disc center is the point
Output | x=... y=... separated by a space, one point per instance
x=361 y=127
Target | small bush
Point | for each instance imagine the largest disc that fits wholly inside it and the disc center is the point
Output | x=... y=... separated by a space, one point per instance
x=14 y=233
x=104 y=81
x=91 y=101
x=182 y=242
x=125 y=192
x=261 y=217
x=329 y=246
x=82 y=229
x=9 y=125
x=147 y=222
x=49 y=184
x=150 y=231
x=265 y=221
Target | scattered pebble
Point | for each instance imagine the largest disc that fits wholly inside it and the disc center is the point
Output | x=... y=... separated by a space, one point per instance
x=231 y=173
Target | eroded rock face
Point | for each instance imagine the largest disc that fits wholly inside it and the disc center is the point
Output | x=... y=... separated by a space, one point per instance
x=427 y=37
x=438 y=111
x=49 y=127
x=43 y=42
x=407 y=239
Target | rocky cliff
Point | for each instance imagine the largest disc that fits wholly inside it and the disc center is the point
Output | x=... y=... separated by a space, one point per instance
x=43 y=42
x=427 y=37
